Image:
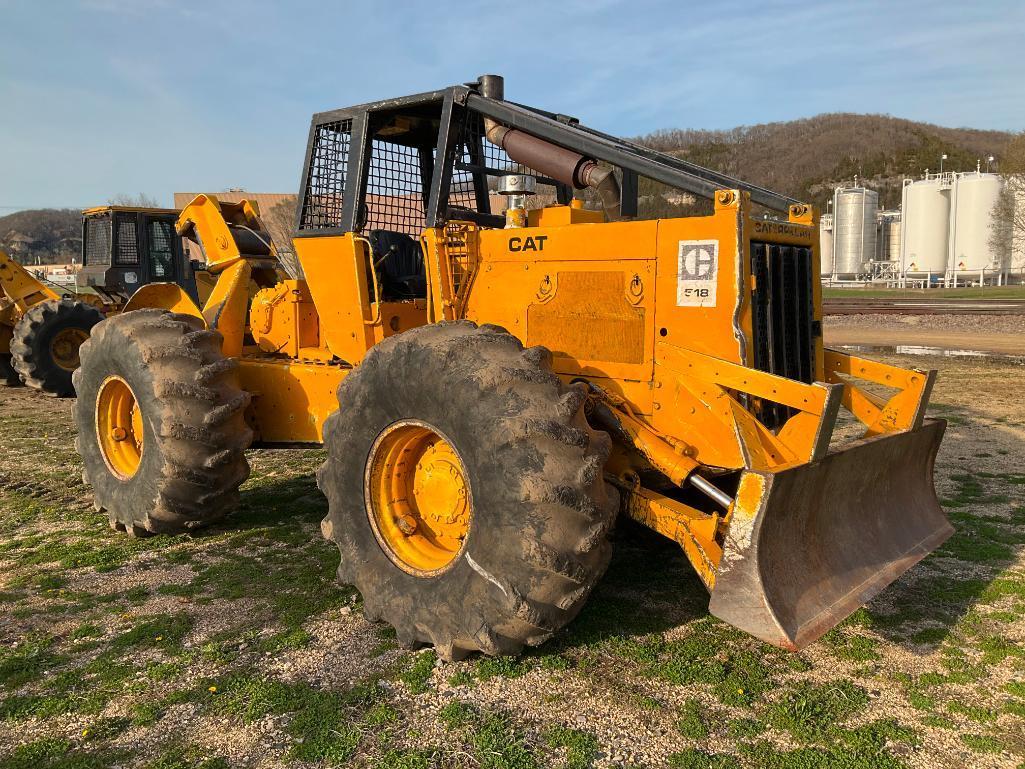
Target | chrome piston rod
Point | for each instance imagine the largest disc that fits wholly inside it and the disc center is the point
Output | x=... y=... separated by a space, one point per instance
x=710 y=490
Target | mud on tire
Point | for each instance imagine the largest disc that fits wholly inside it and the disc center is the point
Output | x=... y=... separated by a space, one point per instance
x=541 y=511
x=32 y=351
x=194 y=433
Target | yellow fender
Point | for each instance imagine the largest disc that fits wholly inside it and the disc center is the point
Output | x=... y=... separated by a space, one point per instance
x=225 y=309
x=163 y=296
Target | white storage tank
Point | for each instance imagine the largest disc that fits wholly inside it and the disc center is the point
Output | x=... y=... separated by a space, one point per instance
x=971 y=226
x=854 y=230
x=895 y=228
x=888 y=245
x=925 y=210
x=826 y=244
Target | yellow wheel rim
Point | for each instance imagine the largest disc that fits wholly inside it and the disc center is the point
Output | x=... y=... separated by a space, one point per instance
x=418 y=498
x=119 y=427
x=64 y=347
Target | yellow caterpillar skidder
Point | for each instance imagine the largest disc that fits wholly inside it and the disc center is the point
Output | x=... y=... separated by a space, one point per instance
x=493 y=389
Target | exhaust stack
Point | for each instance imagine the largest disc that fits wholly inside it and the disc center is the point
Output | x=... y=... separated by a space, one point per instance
x=572 y=168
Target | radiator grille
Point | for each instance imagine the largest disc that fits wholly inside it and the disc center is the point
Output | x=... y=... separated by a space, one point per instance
x=97 y=240
x=325 y=181
x=783 y=315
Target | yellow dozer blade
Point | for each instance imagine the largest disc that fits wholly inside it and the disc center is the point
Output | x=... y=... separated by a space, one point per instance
x=807 y=546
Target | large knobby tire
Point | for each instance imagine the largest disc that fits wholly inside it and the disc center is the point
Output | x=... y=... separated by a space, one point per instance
x=8 y=376
x=185 y=398
x=537 y=541
x=46 y=343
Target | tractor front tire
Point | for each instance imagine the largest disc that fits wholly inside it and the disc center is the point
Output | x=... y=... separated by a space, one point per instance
x=465 y=490
x=161 y=429
x=46 y=343
x=8 y=376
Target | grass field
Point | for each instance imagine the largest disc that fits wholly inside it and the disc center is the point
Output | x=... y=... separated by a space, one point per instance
x=987 y=292
x=238 y=648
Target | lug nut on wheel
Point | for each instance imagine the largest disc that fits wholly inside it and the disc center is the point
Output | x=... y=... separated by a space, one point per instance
x=406 y=524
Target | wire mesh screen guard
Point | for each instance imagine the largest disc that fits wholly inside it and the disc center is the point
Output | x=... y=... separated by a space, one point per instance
x=97 y=240
x=395 y=189
x=161 y=248
x=127 y=240
x=325 y=182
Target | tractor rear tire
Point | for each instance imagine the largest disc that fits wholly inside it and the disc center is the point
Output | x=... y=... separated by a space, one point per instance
x=46 y=343
x=161 y=429
x=8 y=376
x=536 y=535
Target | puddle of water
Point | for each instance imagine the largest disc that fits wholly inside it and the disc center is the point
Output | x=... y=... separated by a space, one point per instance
x=941 y=352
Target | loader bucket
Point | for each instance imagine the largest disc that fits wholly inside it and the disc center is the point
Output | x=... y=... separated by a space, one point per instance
x=809 y=545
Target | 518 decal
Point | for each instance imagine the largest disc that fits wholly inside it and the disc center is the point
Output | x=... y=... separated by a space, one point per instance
x=697 y=273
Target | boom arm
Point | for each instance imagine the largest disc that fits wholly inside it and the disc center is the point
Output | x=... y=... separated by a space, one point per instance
x=228 y=232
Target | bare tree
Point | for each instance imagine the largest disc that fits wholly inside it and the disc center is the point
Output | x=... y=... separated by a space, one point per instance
x=141 y=200
x=280 y=221
x=1008 y=238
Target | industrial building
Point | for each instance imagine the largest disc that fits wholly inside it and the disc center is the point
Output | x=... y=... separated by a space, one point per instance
x=941 y=236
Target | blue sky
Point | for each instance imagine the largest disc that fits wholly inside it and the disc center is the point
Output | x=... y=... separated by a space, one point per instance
x=104 y=97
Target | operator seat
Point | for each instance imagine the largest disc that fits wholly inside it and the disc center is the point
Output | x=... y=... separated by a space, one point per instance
x=399 y=261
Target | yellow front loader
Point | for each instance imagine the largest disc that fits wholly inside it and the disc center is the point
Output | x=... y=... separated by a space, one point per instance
x=41 y=331
x=501 y=354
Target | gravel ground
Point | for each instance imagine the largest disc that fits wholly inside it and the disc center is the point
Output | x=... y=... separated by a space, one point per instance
x=237 y=648
x=1012 y=325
